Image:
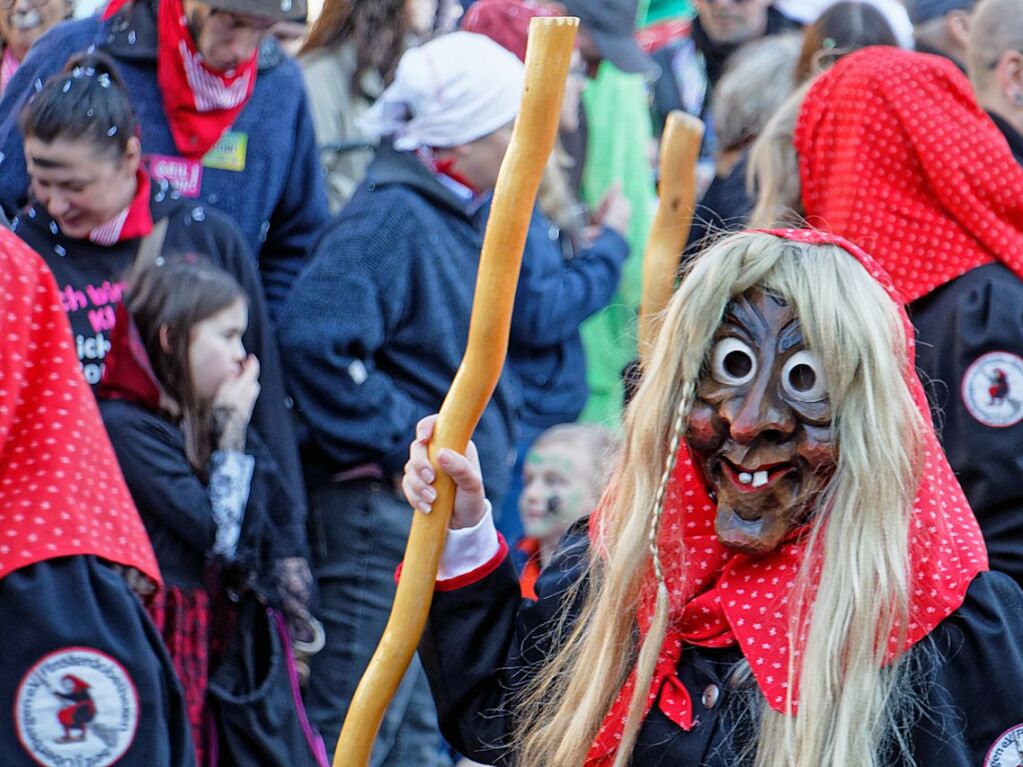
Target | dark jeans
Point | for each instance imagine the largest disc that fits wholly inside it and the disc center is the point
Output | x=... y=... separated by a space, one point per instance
x=357 y=534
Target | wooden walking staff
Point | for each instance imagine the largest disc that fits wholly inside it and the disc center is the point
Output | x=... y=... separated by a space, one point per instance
x=551 y=41
x=680 y=149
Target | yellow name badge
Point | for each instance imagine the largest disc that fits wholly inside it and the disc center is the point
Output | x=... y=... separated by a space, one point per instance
x=228 y=153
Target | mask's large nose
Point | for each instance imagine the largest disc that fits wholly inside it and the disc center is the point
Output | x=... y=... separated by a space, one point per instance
x=760 y=413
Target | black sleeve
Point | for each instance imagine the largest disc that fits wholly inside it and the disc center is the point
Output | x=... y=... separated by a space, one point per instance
x=75 y=616
x=967 y=331
x=974 y=692
x=162 y=482
x=482 y=642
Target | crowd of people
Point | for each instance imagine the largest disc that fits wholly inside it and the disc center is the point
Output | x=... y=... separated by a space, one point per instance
x=239 y=248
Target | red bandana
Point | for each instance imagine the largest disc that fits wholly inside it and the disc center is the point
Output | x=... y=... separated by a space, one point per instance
x=61 y=490
x=201 y=104
x=133 y=222
x=895 y=155
x=719 y=598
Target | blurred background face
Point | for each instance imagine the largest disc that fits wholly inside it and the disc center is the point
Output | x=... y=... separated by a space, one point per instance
x=421 y=16
x=226 y=40
x=22 y=22
x=479 y=161
x=733 y=21
x=80 y=187
x=558 y=484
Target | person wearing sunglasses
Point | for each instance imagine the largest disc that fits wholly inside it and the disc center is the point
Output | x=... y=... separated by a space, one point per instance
x=22 y=22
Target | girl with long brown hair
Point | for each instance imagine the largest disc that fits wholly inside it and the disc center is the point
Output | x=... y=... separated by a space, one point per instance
x=783 y=571
x=177 y=399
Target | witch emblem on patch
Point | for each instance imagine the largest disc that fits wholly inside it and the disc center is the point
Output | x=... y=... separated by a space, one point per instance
x=77 y=706
x=992 y=389
x=79 y=711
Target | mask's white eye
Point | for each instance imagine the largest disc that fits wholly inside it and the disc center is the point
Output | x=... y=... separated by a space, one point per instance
x=733 y=362
x=803 y=378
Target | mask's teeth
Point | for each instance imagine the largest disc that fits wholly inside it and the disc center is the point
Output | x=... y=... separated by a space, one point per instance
x=745 y=477
x=759 y=478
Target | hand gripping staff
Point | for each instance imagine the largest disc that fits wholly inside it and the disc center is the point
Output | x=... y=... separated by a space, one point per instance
x=680 y=148
x=551 y=42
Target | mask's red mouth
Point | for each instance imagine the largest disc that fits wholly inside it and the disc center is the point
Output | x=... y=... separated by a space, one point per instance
x=754 y=479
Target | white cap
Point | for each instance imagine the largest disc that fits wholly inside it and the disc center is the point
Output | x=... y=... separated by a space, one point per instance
x=454 y=89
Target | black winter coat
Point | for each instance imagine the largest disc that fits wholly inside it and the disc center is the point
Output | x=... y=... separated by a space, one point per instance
x=74 y=618
x=174 y=502
x=967 y=331
x=482 y=640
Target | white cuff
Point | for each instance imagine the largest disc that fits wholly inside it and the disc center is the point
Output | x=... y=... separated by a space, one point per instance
x=469 y=548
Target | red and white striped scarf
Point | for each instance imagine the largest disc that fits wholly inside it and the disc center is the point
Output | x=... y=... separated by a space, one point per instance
x=201 y=104
x=133 y=222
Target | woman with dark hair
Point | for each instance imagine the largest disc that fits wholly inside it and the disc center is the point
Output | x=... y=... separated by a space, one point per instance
x=349 y=57
x=95 y=213
x=177 y=399
x=843 y=28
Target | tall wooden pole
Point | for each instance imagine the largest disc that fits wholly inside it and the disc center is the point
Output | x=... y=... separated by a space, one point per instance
x=551 y=42
x=680 y=149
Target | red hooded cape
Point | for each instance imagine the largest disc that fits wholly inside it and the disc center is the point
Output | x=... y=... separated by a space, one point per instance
x=61 y=489
x=896 y=156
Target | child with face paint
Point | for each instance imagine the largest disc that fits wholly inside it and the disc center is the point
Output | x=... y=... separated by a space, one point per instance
x=562 y=478
x=783 y=571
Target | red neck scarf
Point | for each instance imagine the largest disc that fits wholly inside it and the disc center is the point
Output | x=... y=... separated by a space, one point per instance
x=200 y=103
x=895 y=155
x=61 y=490
x=128 y=374
x=133 y=222
x=721 y=599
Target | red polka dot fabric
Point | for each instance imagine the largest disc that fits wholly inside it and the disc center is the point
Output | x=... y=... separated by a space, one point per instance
x=896 y=155
x=719 y=598
x=61 y=489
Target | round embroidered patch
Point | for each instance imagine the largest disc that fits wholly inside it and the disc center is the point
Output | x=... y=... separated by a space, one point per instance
x=77 y=706
x=992 y=389
x=1007 y=751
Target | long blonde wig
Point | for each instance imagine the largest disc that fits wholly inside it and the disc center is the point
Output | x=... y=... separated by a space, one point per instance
x=847 y=711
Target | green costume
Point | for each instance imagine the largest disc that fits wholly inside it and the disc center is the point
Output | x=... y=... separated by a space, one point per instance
x=619 y=147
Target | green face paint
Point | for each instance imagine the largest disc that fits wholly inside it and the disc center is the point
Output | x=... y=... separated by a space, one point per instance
x=559 y=487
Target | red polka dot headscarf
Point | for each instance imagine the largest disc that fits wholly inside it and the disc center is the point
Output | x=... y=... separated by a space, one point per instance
x=896 y=156
x=718 y=598
x=61 y=489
